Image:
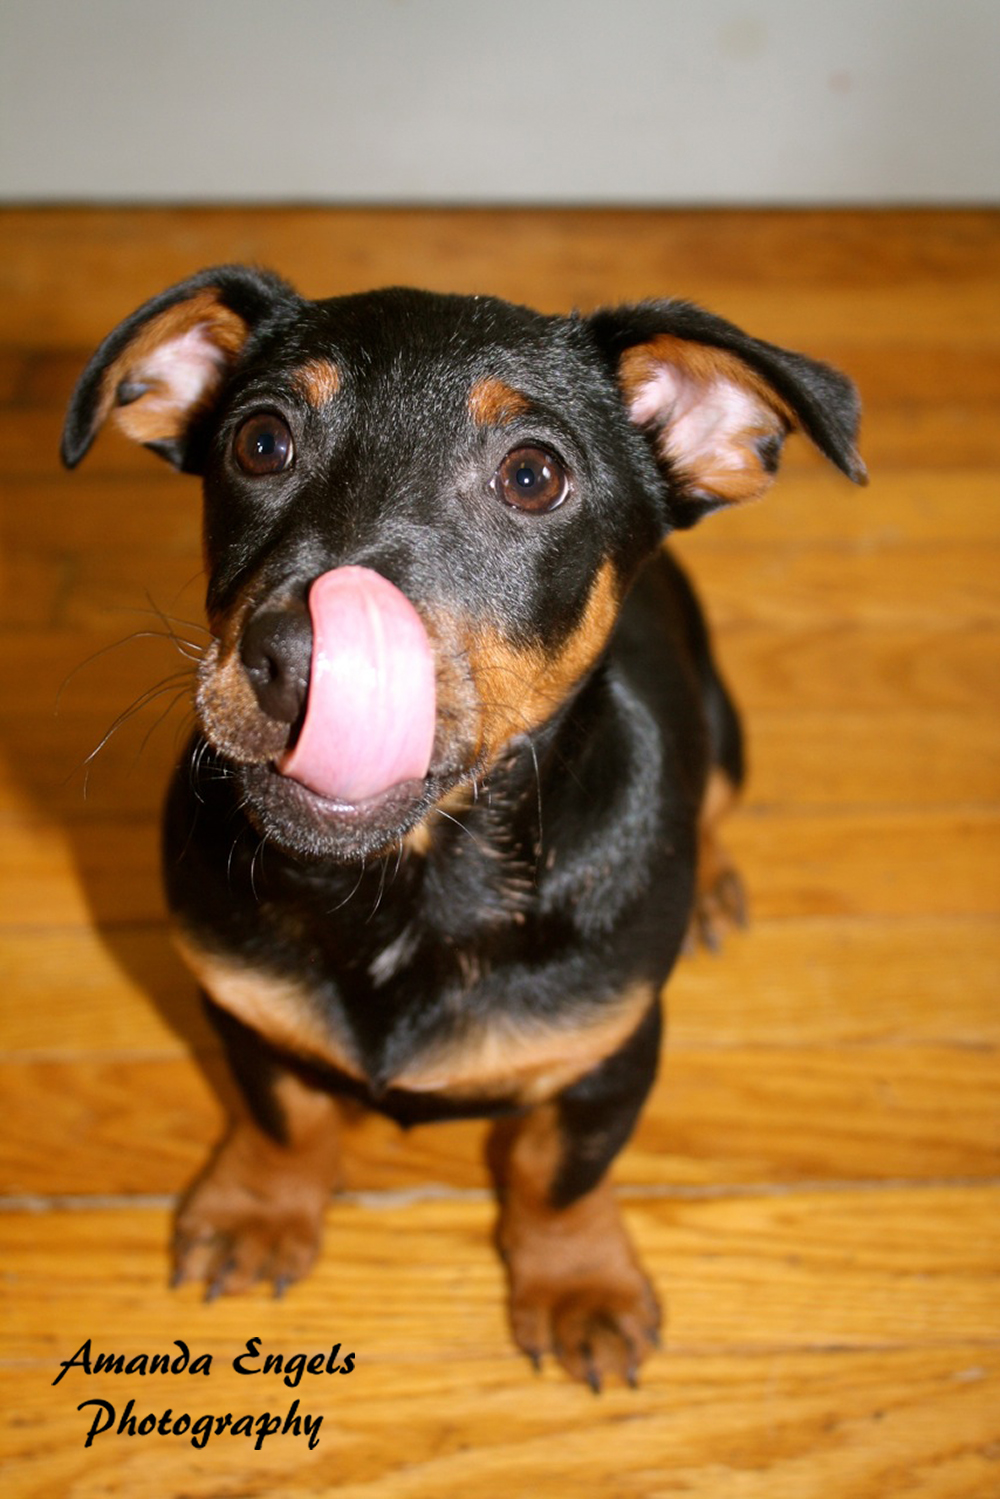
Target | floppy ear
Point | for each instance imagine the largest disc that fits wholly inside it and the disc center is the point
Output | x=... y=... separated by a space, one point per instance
x=163 y=367
x=718 y=404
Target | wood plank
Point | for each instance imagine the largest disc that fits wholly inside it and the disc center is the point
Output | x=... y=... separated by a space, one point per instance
x=871 y=863
x=865 y=862
x=80 y=993
x=913 y=718
x=830 y=759
x=786 y=983
x=76 y=684
x=802 y=1426
x=903 y=1418
x=818 y=588
x=949 y=434
x=830 y=1338
x=753 y=586
x=737 y=1115
x=33 y=377
x=49 y=878
x=947 y=264
x=764 y=1114
x=799 y=757
x=914 y=1266
x=840 y=669
x=805 y=982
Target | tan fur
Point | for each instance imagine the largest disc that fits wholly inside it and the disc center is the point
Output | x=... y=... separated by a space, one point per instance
x=157 y=417
x=720 y=901
x=229 y=712
x=529 y=1063
x=420 y=840
x=519 y=687
x=493 y=403
x=319 y=381
x=279 y=1009
x=576 y=1286
x=257 y=1211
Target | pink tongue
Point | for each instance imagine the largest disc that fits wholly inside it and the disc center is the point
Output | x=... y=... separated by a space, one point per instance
x=370 y=712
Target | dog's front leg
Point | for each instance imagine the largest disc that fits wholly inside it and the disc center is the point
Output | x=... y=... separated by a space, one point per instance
x=256 y=1211
x=577 y=1289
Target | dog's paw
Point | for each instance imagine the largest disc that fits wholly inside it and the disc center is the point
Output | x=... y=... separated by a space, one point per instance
x=720 y=907
x=232 y=1234
x=598 y=1329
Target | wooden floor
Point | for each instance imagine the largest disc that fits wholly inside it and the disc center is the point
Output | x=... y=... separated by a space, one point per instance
x=816 y=1185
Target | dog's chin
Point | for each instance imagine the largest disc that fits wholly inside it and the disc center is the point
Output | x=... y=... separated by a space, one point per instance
x=308 y=826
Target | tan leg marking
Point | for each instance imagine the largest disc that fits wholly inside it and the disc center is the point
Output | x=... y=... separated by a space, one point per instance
x=256 y=1212
x=577 y=1289
x=720 y=900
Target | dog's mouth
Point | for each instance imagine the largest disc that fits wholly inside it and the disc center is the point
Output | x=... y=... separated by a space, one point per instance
x=369 y=717
x=330 y=718
x=306 y=824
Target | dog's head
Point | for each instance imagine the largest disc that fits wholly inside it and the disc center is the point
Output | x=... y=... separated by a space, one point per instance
x=422 y=514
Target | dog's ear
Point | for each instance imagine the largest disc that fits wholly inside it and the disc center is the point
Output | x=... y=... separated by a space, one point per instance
x=162 y=369
x=717 y=404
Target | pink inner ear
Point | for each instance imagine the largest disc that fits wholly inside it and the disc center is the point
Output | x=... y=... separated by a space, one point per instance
x=182 y=370
x=703 y=424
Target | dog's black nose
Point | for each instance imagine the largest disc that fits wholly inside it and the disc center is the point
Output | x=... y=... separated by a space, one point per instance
x=276 y=651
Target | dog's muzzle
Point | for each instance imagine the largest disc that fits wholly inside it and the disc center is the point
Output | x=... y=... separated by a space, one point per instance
x=355 y=672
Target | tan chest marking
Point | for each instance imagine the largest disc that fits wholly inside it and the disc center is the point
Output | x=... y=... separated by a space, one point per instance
x=278 y=1009
x=529 y=1064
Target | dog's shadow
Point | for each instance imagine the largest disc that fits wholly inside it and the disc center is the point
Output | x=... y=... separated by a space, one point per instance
x=98 y=723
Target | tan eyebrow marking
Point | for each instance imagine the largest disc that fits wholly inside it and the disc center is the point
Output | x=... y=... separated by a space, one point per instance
x=492 y=403
x=318 y=380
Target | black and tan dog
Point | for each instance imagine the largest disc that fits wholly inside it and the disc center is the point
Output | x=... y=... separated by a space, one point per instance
x=450 y=810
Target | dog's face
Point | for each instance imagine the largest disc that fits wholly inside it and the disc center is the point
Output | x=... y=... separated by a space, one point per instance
x=422 y=514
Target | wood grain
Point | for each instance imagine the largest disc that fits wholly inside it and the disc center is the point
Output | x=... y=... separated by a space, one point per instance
x=876 y=1113
x=769 y=1388
x=815 y=1185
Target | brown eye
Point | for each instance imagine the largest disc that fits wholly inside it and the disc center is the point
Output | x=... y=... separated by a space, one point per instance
x=263 y=444
x=531 y=479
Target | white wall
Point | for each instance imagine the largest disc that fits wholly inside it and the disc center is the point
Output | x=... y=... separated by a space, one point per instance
x=635 y=101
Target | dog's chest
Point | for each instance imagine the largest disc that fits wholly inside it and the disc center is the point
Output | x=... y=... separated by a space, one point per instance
x=470 y=1044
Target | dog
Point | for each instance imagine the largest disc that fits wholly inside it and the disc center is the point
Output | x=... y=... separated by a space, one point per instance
x=451 y=809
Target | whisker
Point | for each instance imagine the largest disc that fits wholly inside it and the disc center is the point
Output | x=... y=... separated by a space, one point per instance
x=258 y=853
x=381 y=892
x=175 y=684
x=173 y=619
x=115 y=645
x=351 y=893
x=177 y=697
x=538 y=785
x=399 y=860
x=466 y=830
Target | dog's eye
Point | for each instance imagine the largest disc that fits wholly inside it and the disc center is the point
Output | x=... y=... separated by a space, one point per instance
x=531 y=479
x=263 y=444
